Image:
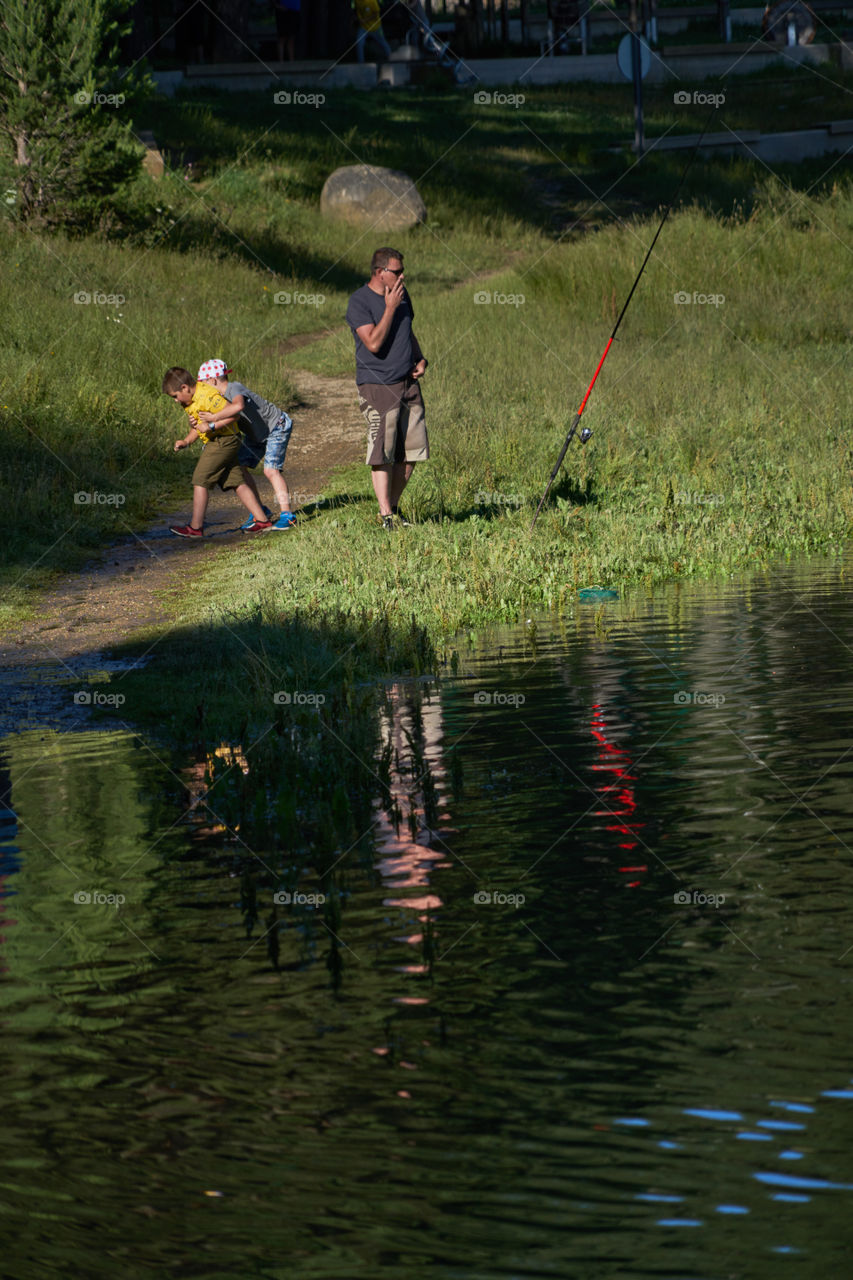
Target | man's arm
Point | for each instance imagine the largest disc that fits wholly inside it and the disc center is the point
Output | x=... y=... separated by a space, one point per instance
x=373 y=335
x=420 y=360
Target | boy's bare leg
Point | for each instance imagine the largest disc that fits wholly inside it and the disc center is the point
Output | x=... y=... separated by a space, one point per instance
x=250 y=501
x=401 y=474
x=250 y=480
x=200 y=500
x=280 y=488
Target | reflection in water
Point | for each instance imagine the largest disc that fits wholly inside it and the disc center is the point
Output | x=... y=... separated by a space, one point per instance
x=617 y=790
x=421 y=1075
x=412 y=726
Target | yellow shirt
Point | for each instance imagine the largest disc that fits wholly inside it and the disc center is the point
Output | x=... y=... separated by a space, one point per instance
x=208 y=400
x=369 y=14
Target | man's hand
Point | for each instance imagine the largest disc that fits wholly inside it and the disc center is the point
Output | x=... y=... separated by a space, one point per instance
x=394 y=295
x=420 y=368
x=205 y=416
x=180 y=444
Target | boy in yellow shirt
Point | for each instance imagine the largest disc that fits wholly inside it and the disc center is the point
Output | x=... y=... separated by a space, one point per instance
x=217 y=465
x=369 y=17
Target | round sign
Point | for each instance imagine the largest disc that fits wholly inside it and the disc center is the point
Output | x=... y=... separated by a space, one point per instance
x=624 y=57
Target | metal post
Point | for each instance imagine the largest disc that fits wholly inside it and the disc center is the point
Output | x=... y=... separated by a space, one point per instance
x=725 y=20
x=638 y=79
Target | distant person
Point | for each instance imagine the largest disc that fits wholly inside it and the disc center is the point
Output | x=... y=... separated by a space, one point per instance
x=288 y=16
x=218 y=465
x=788 y=22
x=388 y=366
x=266 y=432
x=369 y=18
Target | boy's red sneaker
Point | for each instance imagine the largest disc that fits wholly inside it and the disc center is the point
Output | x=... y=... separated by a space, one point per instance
x=186 y=531
x=258 y=526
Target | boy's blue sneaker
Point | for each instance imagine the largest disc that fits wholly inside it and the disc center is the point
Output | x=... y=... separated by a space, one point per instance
x=251 y=519
x=287 y=520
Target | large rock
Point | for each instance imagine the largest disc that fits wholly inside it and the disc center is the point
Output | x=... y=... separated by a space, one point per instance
x=365 y=194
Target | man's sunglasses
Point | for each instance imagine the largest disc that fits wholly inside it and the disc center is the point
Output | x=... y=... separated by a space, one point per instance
x=395 y=271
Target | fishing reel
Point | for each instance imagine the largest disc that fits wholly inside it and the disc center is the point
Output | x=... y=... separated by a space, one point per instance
x=586 y=433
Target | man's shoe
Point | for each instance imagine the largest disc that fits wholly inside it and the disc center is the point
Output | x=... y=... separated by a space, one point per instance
x=258 y=526
x=398 y=515
x=247 y=525
x=387 y=523
x=186 y=531
x=287 y=520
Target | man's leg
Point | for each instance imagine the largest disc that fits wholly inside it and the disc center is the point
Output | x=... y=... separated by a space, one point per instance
x=382 y=480
x=401 y=474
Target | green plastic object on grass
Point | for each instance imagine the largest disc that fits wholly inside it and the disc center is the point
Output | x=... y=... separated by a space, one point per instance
x=597 y=593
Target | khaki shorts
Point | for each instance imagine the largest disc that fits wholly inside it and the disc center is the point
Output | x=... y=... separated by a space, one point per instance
x=396 y=429
x=218 y=465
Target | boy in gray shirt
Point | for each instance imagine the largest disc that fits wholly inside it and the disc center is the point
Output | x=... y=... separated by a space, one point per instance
x=265 y=428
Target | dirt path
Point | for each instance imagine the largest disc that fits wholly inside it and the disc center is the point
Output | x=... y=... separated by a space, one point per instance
x=127 y=592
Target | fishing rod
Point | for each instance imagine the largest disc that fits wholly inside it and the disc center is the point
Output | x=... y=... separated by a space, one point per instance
x=586 y=432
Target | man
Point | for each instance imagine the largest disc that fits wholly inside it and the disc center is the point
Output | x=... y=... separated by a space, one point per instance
x=388 y=365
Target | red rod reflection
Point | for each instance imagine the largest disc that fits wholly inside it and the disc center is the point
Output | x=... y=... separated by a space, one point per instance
x=617 y=792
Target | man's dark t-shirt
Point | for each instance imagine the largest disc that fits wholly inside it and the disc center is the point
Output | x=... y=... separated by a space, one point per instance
x=393 y=361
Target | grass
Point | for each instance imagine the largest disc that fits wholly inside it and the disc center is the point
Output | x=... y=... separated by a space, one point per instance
x=693 y=399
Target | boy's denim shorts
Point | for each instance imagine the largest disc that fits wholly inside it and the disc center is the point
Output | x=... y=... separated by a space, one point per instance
x=270 y=451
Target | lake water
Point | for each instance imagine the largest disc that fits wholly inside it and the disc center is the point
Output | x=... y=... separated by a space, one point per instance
x=585 y=1013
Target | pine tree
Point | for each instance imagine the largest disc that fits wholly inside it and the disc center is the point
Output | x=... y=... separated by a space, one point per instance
x=64 y=107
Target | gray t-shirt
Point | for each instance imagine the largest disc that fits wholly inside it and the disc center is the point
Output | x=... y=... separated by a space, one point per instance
x=258 y=416
x=393 y=361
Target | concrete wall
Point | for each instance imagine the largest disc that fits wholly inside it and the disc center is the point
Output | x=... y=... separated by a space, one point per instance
x=688 y=68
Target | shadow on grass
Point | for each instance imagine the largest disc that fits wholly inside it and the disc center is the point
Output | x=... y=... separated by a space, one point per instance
x=541 y=165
